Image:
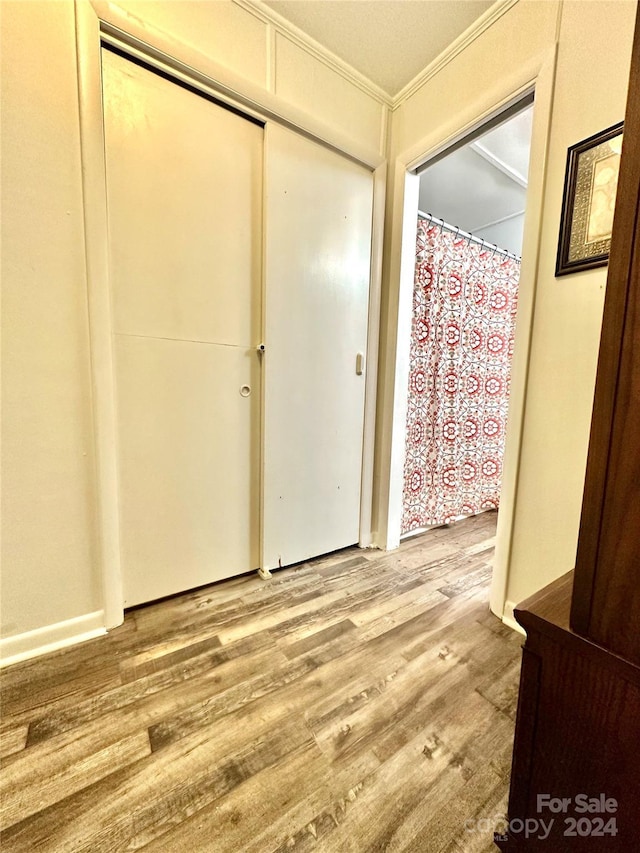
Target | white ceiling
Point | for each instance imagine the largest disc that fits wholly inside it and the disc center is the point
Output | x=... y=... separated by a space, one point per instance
x=510 y=142
x=482 y=192
x=389 y=41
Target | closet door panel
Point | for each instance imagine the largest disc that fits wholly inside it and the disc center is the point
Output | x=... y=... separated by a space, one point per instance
x=189 y=466
x=186 y=247
x=318 y=245
x=184 y=192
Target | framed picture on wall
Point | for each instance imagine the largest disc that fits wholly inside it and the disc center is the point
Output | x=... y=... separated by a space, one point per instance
x=590 y=184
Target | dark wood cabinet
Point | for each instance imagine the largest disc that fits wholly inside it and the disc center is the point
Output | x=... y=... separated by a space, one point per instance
x=576 y=760
x=577 y=736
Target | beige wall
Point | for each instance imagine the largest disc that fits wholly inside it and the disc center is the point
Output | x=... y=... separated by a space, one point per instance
x=591 y=84
x=48 y=541
x=588 y=95
x=50 y=549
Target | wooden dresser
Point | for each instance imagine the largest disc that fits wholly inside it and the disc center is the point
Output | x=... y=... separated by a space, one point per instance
x=577 y=733
x=576 y=760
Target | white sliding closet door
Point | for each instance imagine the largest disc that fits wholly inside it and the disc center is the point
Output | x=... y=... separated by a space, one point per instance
x=184 y=189
x=318 y=246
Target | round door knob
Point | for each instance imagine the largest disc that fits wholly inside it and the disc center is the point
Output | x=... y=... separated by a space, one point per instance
x=245 y=390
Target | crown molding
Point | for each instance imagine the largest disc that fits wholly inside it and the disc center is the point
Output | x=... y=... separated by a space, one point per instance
x=281 y=25
x=499 y=164
x=267 y=15
x=486 y=20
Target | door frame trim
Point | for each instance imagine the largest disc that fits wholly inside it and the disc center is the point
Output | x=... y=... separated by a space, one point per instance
x=367 y=493
x=99 y=22
x=537 y=75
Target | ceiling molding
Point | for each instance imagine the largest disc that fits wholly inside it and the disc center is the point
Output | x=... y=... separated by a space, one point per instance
x=500 y=221
x=486 y=20
x=479 y=149
x=268 y=15
x=281 y=25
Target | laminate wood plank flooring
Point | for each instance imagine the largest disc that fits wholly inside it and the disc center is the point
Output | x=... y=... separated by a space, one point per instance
x=357 y=703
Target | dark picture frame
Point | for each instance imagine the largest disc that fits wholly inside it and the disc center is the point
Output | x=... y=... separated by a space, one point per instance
x=590 y=184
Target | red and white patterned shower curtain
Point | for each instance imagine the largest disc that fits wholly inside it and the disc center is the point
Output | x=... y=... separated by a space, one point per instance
x=464 y=309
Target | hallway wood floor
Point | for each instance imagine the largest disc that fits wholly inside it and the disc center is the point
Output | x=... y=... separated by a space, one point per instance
x=359 y=702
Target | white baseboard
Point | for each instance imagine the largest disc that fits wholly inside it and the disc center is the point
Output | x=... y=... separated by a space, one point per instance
x=509 y=619
x=50 y=638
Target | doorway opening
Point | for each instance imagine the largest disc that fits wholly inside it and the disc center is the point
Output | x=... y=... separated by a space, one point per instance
x=468 y=248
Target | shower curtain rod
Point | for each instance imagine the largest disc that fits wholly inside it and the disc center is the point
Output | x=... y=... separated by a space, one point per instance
x=467 y=236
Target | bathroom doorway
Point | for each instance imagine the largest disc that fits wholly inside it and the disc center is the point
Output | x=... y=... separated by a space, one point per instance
x=471 y=211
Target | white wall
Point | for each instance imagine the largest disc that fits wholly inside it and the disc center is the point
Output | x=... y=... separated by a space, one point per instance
x=51 y=583
x=465 y=189
x=588 y=95
x=507 y=234
x=481 y=187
